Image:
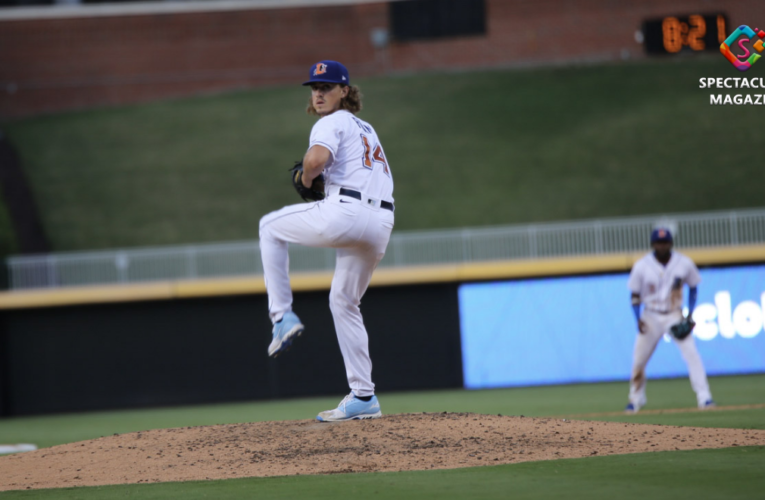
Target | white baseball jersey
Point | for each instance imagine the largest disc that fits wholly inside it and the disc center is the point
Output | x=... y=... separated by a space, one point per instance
x=358 y=229
x=661 y=287
x=358 y=161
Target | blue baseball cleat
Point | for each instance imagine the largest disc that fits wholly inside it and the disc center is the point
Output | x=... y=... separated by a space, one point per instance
x=707 y=404
x=286 y=331
x=352 y=408
x=631 y=408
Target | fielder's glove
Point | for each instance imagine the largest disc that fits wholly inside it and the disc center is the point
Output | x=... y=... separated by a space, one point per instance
x=313 y=193
x=682 y=329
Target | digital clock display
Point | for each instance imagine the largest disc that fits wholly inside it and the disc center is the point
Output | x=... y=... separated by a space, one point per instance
x=689 y=33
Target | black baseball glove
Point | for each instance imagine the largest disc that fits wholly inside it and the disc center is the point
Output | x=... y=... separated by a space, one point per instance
x=682 y=329
x=313 y=193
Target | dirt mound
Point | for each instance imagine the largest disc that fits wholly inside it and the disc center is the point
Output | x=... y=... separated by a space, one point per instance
x=392 y=443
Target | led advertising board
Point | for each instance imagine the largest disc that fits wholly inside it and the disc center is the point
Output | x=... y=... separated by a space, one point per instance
x=582 y=329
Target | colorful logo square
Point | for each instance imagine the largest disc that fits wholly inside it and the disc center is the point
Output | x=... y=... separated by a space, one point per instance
x=758 y=46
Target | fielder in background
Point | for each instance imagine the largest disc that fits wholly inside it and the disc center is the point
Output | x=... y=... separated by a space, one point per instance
x=346 y=172
x=657 y=281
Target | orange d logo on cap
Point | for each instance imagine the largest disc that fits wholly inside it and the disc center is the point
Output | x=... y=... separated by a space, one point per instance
x=328 y=72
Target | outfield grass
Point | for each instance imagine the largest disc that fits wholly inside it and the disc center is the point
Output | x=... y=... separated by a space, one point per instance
x=466 y=149
x=571 y=400
x=732 y=473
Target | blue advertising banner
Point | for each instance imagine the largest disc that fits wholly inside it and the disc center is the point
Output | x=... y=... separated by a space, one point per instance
x=582 y=329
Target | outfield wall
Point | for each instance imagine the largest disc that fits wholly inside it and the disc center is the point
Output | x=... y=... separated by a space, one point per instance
x=484 y=325
x=53 y=59
x=214 y=349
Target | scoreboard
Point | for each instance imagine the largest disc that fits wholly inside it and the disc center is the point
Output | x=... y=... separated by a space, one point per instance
x=686 y=33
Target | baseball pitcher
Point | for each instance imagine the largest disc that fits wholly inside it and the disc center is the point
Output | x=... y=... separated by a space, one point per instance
x=348 y=181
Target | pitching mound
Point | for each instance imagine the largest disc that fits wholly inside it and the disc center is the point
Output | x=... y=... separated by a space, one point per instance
x=392 y=443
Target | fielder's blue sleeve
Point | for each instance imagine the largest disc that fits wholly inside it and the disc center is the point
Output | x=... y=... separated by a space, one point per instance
x=692 y=293
x=635 y=306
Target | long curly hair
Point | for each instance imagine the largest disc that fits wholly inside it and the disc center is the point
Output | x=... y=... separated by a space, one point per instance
x=351 y=102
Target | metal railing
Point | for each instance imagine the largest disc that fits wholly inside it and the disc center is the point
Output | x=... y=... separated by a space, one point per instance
x=591 y=237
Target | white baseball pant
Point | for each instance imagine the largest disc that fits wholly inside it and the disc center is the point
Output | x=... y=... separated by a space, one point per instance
x=360 y=232
x=657 y=324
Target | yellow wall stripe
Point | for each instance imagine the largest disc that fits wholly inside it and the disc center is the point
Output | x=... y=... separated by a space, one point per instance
x=382 y=277
x=85 y=295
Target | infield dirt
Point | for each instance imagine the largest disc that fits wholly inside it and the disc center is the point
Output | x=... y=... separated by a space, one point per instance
x=392 y=443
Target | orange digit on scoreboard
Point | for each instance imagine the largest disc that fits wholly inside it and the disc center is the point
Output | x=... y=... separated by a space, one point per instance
x=671 y=30
x=697 y=32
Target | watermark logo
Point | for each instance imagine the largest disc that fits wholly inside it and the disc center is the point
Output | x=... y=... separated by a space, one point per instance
x=743 y=62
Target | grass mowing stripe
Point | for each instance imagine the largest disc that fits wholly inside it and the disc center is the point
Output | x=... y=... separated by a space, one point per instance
x=743 y=419
x=730 y=473
x=672 y=410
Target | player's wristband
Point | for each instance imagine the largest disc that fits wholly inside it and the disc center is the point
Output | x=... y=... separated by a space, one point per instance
x=692 y=300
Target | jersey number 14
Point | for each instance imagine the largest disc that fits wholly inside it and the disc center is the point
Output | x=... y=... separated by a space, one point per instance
x=376 y=155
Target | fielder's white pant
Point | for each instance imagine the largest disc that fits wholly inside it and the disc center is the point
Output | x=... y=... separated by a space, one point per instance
x=360 y=233
x=657 y=324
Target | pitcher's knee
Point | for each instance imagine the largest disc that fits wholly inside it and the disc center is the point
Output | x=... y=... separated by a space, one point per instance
x=340 y=301
x=263 y=227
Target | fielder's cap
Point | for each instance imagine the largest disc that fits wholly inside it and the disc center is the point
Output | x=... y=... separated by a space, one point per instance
x=329 y=72
x=661 y=234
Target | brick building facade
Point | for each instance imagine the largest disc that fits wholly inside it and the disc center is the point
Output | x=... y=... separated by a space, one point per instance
x=50 y=63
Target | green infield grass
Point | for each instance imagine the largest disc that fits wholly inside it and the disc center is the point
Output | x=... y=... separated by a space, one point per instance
x=729 y=473
x=732 y=473
x=586 y=401
x=466 y=149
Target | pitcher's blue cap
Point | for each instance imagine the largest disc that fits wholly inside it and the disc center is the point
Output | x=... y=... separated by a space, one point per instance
x=661 y=234
x=329 y=72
